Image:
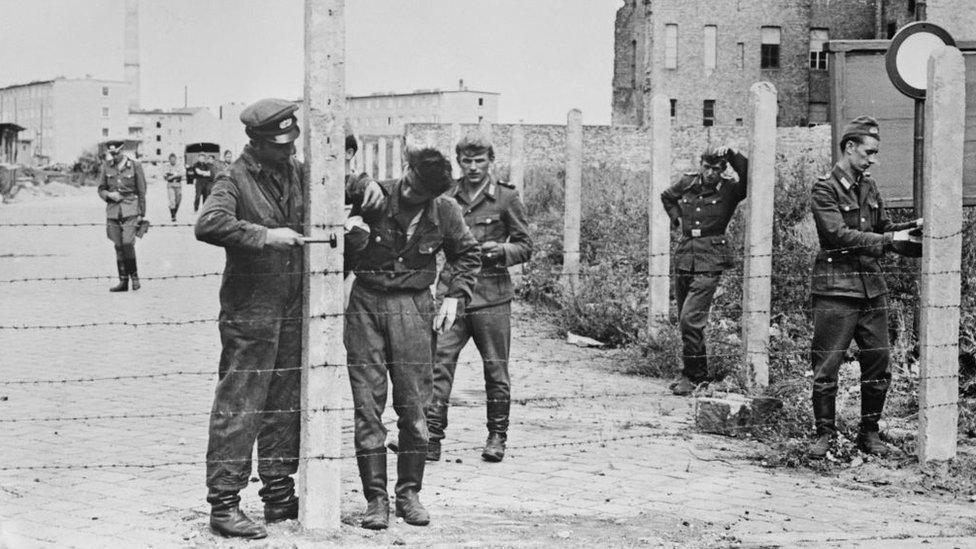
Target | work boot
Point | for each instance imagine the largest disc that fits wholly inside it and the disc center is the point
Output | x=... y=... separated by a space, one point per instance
x=280 y=502
x=123 y=285
x=683 y=386
x=433 y=450
x=824 y=412
x=172 y=215
x=870 y=442
x=372 y=473
x=227 y=519
x=494 y=447
x=133 y=271
x=410 y=477
x=820 y=446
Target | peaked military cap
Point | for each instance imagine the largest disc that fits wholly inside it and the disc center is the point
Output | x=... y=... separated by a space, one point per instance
x=271 y=120
x=863 y=126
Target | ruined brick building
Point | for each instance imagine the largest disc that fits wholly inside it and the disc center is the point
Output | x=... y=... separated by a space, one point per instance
x=704 y=54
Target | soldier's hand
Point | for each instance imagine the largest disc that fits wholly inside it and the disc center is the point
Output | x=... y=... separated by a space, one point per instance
x=447 y=315
x=114 y=196
x=906 y=235
x=372 y=197
x=491 y=253
x=726 y=151
x=919 y=223
x=283 y=238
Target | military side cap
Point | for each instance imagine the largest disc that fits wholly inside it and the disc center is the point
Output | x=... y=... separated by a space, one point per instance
x=114 y=145
x=271 y=120
x=863 y=126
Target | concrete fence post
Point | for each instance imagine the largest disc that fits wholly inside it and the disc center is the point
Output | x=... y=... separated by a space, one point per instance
x=516 y=174
x=659 y=224
x=358 y=159
x=323 y=361
x=396 y=160
x=938 y=390
x=381 y=172
x=369 y=157
x=455 y=137
x=573 y=201
x=757 y=267
x=485 y=129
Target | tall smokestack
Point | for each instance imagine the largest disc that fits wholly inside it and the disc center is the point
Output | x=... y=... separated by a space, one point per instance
x=131 y=58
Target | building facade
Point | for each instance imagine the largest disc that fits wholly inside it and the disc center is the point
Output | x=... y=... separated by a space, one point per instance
x=387 y=113
x=64 y=117
x=162 y=132
x=705 y=54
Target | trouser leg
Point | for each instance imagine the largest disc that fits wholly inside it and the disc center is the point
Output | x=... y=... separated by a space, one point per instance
x=834 y=320
x=366 y=350
x=198 y=193
x=491 y=329
x=249 y=353
x=449 y=346
x=692 y=319
x=871 y=335
x=278 y=439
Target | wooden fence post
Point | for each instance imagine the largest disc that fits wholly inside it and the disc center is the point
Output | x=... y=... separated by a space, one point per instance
x=757 y=267
x=659 y=224
x=938 y=390
x=573 y=201
x=323 y=361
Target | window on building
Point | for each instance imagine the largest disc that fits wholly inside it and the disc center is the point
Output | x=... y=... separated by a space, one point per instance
x=159 y=138
x=159 y=125
x=104 y=132
x=892 y=29
x=818 y=57
x=738 y=121
x=389 y=120
x=742 y=55
x=670 y=46
x=674 y=108
x=708 y=112
x=769 y=50
x=481 y=101
x=911 y=7
x=159 y=152
x=104 y=90
x=711 y=46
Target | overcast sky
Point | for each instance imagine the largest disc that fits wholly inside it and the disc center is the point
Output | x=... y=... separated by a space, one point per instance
x=544 y=56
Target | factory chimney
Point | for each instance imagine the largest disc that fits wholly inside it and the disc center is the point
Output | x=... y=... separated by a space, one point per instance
x=131 y=58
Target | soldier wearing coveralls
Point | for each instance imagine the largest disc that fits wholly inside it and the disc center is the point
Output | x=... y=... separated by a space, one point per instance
x=174 y=181
x=496 y=216
x=391 y=321
x=700 y=205
x=848 y=287
x=256 y=213
x=122 y=185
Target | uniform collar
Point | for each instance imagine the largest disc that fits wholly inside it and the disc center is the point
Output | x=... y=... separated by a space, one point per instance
x=122 y=165
x=488 y=190
x=844 y=178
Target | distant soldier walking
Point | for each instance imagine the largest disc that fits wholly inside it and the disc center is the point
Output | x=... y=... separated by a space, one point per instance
x=174 y=185
x=122 y=185
x=256 y=214
x=495 y=214
x=203 y=173
x=700 y=205
x=848 y=287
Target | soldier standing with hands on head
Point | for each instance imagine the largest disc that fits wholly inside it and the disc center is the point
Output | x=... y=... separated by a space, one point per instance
x=256 y=214
x=700 y=205
x=848 y=287
x=392 y=323
x=495 y=214
x=122 y=185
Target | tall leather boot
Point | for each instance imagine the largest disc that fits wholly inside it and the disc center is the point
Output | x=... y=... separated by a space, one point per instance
x=227 y=519
x=868 y=440
x=497 y=431
x=824 y=412
x=410 y=478
x=123 y=285
x=436 y=424
x=130 y=266
x=372 y=472
x=280 y=502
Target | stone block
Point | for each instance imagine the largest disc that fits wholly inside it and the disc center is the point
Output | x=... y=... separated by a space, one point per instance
x=732 y=414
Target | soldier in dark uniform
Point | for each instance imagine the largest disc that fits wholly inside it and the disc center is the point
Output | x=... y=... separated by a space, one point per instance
x=122 y=185
x=848 y=287
x=700 y=205
x=203 y=173
x=391 y=321
x=495 y=214
x=256 y=214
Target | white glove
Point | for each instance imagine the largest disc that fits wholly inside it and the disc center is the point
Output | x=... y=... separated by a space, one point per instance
x=447 y=315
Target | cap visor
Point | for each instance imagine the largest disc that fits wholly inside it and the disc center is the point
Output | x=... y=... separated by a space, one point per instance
x=282 y=138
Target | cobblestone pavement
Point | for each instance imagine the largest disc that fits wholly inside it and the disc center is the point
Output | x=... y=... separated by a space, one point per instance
x=583 y=469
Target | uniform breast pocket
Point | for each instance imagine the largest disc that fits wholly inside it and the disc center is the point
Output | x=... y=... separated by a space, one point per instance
x=852 y=214
x=487 y=227
x=713 y=207
x=427 y=249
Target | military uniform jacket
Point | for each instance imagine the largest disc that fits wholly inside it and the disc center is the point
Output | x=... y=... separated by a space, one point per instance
x=246 y=201
x=495 y=215
x=128 y=180
x=392 y=261
x=854 y=232
x=704 y=213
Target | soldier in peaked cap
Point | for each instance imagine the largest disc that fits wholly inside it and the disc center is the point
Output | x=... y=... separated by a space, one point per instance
x=700 y=205
x=848 y=287
x=255 y=213
x=122 y=185
x=392 y=324
x=495 y=214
